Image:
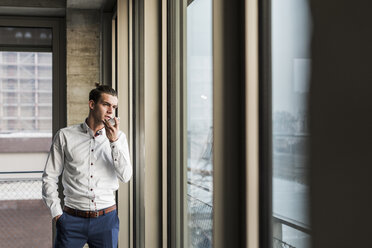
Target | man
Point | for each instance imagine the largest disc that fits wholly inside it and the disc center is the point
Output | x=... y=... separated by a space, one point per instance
x=91 y=157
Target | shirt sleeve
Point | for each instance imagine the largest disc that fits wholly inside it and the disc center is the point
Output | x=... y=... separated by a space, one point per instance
x=121 y=158
x=53 y=169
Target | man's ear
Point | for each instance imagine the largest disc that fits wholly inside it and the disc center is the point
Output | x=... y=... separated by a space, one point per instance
x=91 y=104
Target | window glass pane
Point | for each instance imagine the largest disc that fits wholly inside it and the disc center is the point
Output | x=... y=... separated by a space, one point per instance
x=44 y=72
x=199 y=124
x=25 y=36
x=10 y=98
x=9 y=71
x=27 y=84
x=12 y=124
x=45 y=84
x=11 y=111
x=28 y=111
x=291 y=29
x=45 y=97
x=44 y=58
x=45 y=111
x=26 y=71
x=24 y=86
x=45 y=124
x=9 y=57
x=27 y=124
x=9 y=84
x=27 y=58
x=27 y=97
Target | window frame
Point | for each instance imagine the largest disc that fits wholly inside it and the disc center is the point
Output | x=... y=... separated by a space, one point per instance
x=265 y=120
x=58 y=49
x=177 y=135
x=235 y=199
x=266 y=217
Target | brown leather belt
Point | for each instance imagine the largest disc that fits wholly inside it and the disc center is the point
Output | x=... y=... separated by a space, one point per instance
x=88 y=214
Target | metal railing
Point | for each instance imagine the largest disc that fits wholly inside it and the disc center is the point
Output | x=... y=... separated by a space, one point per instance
x=292 y=223
x=299 y=227
x=277 y=243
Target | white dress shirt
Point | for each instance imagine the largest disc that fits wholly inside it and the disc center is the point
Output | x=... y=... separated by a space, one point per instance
x=90 y=166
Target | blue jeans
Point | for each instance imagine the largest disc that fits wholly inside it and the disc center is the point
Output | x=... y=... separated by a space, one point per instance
x=75 y=232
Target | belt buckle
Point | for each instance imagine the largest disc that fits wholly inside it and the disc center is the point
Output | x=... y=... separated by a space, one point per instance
x=96 y=214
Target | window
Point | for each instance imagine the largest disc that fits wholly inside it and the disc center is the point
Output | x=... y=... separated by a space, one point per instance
x=26 y=83
x=199 y=126
x=26 y=107
x=290 y=67
x=32 y=107
x=190 y=126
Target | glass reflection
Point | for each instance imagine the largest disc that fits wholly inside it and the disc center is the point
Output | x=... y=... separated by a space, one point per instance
x=291 y=29
x=25 y=36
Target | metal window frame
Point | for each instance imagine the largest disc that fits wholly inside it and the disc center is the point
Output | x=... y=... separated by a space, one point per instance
x=145 y=77
x=265 y=103
x=252 y=122
x=121 y=80
x=137 y=49
x=229 y=121
x=177 y=136
x=235 y=115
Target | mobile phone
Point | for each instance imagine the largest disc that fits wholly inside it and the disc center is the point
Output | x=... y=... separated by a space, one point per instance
x=112 y=121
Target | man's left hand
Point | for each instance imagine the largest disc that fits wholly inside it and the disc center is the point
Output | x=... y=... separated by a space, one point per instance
x=112 y=131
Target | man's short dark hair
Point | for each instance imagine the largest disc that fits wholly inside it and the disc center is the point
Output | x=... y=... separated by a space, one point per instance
x=95 y=94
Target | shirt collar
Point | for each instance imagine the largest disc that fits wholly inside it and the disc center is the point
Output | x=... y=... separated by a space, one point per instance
x=87 y=129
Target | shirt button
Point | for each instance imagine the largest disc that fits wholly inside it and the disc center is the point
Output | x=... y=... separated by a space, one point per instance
x=91 y=189
x=115 y=159
x=91 y=163
x=92 y=150
x=113 y=146
x=92 y=200
x=91 y=176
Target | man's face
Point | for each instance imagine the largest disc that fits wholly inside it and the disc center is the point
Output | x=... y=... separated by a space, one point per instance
x=104 y=108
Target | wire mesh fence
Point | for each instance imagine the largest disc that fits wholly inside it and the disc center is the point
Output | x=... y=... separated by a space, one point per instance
x=24 y=219
x=20 y=189
x=200 y=223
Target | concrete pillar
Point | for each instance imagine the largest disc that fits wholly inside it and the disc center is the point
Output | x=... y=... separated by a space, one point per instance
x=82 y=45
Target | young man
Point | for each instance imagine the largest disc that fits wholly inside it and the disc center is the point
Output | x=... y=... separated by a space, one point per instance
x=91 y=157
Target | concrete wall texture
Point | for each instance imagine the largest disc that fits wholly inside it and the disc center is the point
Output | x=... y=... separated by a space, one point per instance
x=83 y=46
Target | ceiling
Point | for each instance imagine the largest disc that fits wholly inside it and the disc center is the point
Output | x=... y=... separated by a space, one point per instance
x=51 y=7
x=88 y=4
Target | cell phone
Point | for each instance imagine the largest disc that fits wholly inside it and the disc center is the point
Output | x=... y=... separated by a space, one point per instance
x=112 y=121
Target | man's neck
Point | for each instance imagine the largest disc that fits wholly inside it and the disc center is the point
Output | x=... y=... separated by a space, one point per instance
x=93 y=124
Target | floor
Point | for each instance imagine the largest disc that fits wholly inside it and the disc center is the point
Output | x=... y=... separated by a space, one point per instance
x=25 y=223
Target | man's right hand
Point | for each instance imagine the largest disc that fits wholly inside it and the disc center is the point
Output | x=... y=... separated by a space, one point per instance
x=57 y=217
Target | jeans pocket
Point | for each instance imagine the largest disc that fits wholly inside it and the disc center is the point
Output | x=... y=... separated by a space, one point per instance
x=60 y=219
x=117 y=220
